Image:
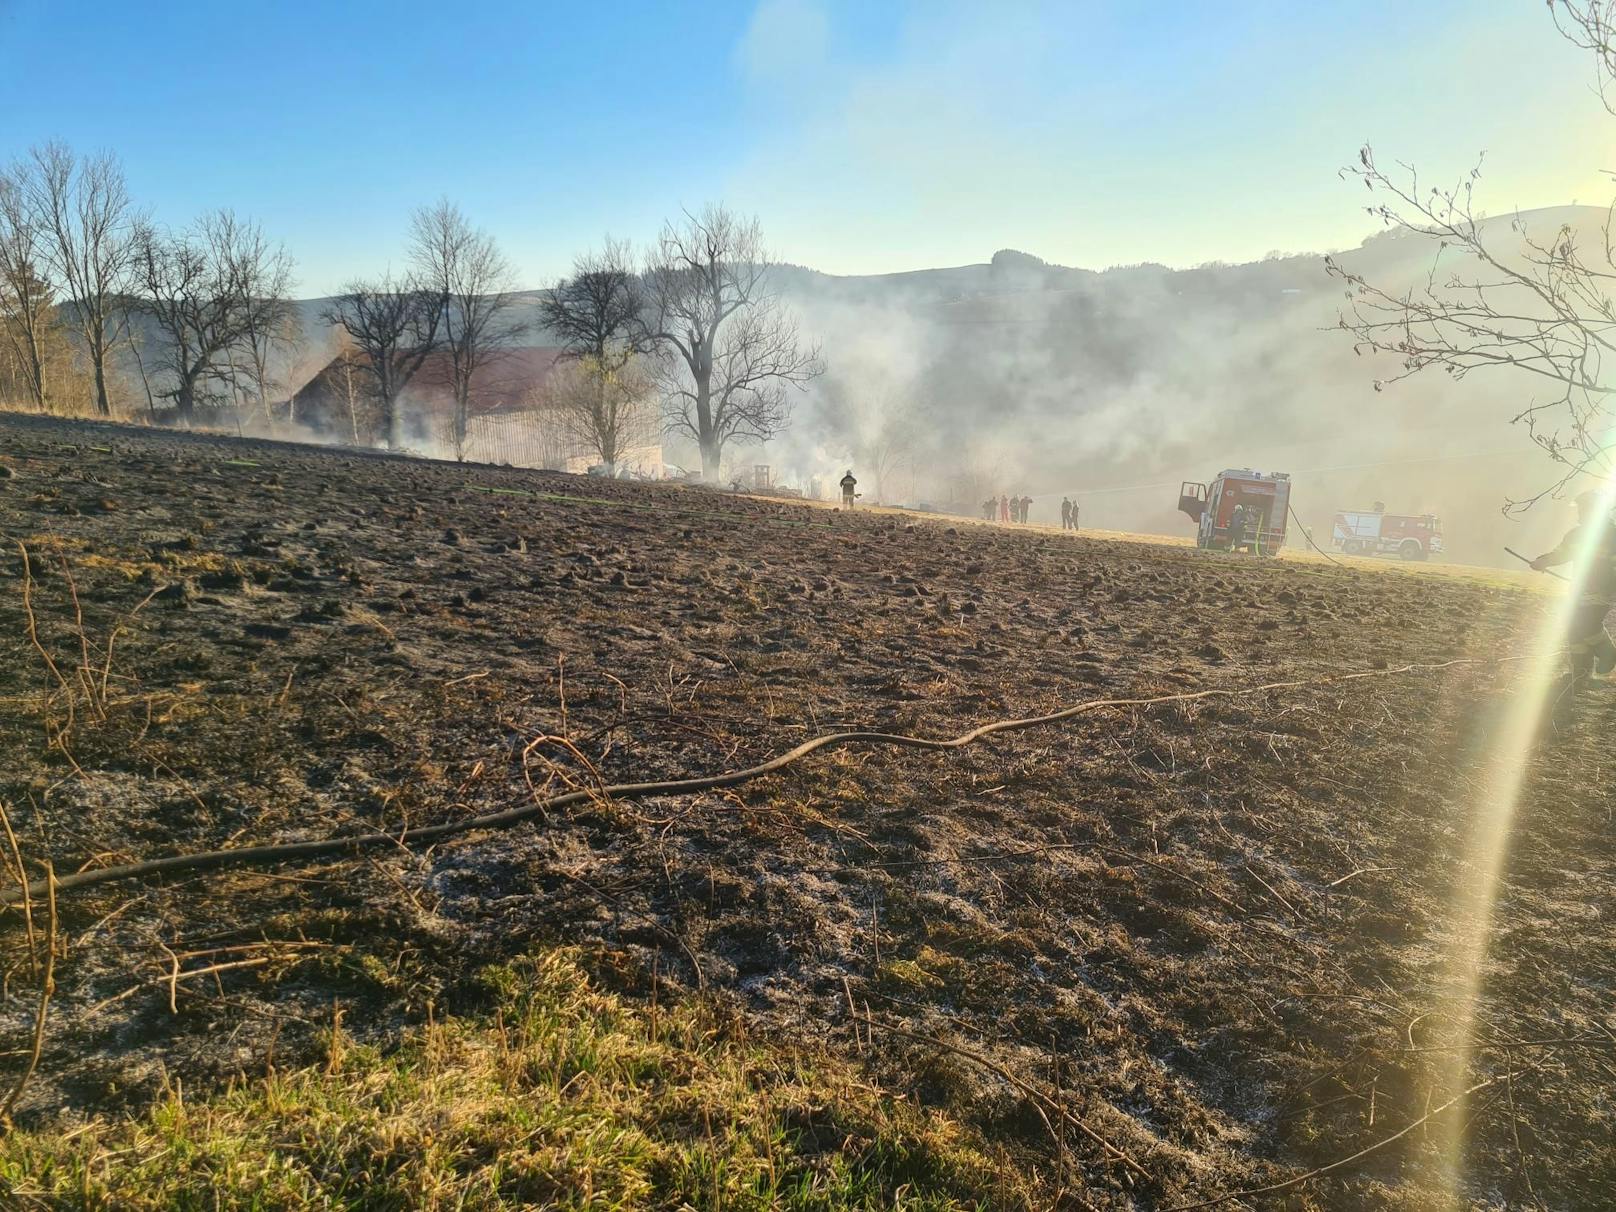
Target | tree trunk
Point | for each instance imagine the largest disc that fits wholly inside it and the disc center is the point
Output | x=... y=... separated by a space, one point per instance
x=102 y=405
x=605 y=428
x=462 y=422
x=36 y=371
x=712 y=444
x=712 y=456
x=185 y=402
x=353 y=413
x=390 y=422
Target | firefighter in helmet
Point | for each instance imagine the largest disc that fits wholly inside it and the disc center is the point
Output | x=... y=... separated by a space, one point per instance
x=1588 y=645
x=1237 y=527
x=848 y=486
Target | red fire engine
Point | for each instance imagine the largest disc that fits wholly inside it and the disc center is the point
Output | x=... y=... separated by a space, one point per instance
x=1376 y=532
x=1263 y=500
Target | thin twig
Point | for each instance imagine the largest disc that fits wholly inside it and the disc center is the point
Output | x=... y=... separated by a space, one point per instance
x=176 y=974
x=47 y=986
x=1271 y=890
x=1039 y=1098
x=1345 y=1161
x=27 y=901
x=1360 y=871
x=33 y=625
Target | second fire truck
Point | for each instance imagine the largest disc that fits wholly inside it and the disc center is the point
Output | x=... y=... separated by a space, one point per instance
x=1376 y=532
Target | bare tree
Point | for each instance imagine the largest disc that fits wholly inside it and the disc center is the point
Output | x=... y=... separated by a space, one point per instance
x=271 y=324
x=596 y=316
x=465 y=268
x=84 y=205
x=1542 y=310
x=596 y=313
x=1590 y=25
x=729 y=351
x=27 y=287
x=604 y=408
x=349 y=381
x=394 y=325
x=204 y=290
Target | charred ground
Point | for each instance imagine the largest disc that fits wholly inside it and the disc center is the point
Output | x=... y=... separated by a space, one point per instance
x=1212 y=932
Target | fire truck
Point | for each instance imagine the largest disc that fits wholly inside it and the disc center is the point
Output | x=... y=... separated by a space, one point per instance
x=1266 y=499
x=1376 y=532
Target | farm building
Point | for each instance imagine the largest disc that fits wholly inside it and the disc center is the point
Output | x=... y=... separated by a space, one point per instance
x=512 y=420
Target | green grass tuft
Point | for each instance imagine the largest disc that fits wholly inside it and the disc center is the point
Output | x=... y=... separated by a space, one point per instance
x=563 y=1097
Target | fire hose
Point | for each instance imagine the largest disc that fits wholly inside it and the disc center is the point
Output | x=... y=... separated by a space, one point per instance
x=292 y=852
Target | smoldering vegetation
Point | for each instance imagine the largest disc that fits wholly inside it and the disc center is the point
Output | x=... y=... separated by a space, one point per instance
x=953 y=385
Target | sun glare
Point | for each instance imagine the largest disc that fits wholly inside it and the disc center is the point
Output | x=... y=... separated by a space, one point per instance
x=1528 y=721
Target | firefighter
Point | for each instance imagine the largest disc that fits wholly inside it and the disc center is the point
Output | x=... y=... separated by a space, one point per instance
x=848 y=485
x=1004 y=508
x=1588 y=645
x=1026 y=509
x=1237 y=527
x=1066 y=513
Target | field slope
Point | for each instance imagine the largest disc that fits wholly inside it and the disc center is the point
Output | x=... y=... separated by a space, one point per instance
x=1145 y=956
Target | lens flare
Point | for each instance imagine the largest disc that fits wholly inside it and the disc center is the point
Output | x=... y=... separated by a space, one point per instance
x=1512 y=744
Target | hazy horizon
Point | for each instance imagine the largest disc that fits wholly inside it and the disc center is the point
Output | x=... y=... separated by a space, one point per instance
x=874 y=142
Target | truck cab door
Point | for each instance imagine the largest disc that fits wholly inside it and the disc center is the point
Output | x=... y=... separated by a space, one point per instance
x=1192 y=499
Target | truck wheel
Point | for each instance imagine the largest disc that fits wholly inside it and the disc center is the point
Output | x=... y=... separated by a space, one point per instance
x=1411 y=550
x=1353 y=547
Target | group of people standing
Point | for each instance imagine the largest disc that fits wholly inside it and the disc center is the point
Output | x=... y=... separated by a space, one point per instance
x=1006 y=509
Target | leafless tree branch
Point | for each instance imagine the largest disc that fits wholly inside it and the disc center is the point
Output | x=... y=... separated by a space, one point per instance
x=470 y=276
x=1541 y=310
x=84 y=205
x=28 y=288
x=395 y=326
x=729 y=354
x=209 y=290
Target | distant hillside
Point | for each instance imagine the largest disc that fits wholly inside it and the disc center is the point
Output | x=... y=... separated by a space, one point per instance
x=946 y=384
x=1114 y=385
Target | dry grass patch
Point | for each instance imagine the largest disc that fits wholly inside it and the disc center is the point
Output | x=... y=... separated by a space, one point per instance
x=562 y=1097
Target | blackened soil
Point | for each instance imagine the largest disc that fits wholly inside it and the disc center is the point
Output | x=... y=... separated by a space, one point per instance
x=1218 y=931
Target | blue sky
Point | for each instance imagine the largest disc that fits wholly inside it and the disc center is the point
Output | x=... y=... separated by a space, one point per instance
x=868 y=137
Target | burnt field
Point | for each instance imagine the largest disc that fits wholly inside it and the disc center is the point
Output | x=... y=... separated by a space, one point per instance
x=1143 y=957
